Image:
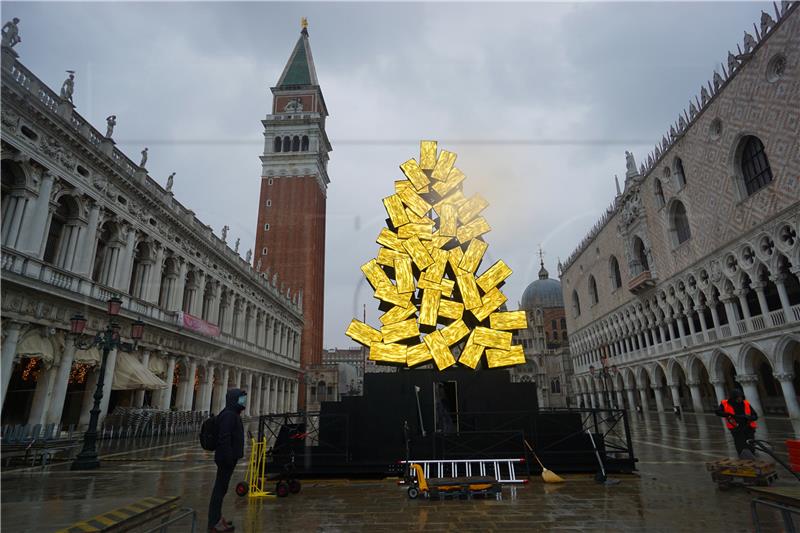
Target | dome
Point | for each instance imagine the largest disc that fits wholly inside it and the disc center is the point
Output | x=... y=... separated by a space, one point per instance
x=544 y=293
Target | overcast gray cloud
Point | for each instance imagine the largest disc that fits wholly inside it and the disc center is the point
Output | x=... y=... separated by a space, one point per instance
x=539 y=100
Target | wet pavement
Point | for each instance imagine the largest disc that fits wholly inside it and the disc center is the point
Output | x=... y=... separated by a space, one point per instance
x=671 y=491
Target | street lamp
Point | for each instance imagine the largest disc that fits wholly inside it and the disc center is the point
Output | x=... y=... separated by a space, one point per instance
x=107 y=340
x=605 y=371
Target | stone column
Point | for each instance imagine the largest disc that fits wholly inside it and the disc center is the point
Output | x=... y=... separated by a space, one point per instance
x=197 y=299
x=166 y=397
x=13 y=209
x=42 y=396
x=274 y=399
x=34 y=223
x=188 y=399
x=237 y=378
x=714 y=317
x=631 y=399
x=789 y=394
x=659 y=395
x=125 y=264
x=249 y=388
x=224 y=388
x=748 y=382
x=719 y=389
x=620 y=399
x=681 y=328
x=733 y=319
x=176 y=298
x=692 y=329
x=703 y=323
x=9 y=351
x=61 y=383
x=676 y=395
x=697 y=399
x=742 y=295
x=256 y=404
x=645 y=399
x=154 y=275
x=111 y=364
x=787 y=308
x=762 y=298
x=138 y=396
x=86 y=243
x=88 y=397
x=294 y=396
x=205 y=403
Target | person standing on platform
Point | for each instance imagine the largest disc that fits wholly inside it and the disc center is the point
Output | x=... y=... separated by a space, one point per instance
x=740 y=419
x=229 y=449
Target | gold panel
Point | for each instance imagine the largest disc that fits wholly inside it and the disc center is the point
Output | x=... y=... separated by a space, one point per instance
x=388 y=293
x=443 y=165
x=451 y=309
x=400 y=330
x=427 y=154
x=454 y=332
x=446 y=287
x=423 y=231
x=397 y=213
x=508 y=321
x=396 y=314
x=469 y=290
x=453 y=180
x=415 y=202
x=476 y=228
x=457 y=199
x=415 y=219
x=437 y=241
x=415 y=175
x=375 y=274
x=491 y=301
x=496 y=358
x=454 y=257
x=473 y=255
x=429 y=309
x=387 y=353
x=491 y=338
x=435 y=272
x=439 y=350
x=405 y=184
x=418 y=253
x=363 y=333
x=448 y=220
x=418 y=354
x=404 y=275
x=471 y=355
x=492 y=277
x=389 y=239
x=387 y=257
x=472 y=208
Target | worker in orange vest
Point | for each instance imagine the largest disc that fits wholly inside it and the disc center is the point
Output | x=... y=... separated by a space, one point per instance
x=740 y=419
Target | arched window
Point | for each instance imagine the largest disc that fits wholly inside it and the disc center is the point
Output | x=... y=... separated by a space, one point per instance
x=553 y=324
x=640 y=253
x=680 y=175
x=679 y=223
x=277 y=145
x=593 y=299
x=658 y=190
x=555 y=335
x=168 y=277
x=564 y=336
x=616 y=277
x=754 y=165
x=322 y=391
x=563 y=323
x=108 y=240
x=287 y=144
x=304 y=144
x=140 y=270
x=208 y=298
x=576 y=304
x=59 y=233
x=295 y=144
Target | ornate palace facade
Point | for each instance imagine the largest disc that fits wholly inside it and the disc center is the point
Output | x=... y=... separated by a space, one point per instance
x=82 y=223
x=688 y=286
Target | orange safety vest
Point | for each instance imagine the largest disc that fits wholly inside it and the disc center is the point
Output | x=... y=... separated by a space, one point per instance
x=730 y=421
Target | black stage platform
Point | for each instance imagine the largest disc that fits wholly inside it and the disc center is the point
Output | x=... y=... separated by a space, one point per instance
x=455 y=414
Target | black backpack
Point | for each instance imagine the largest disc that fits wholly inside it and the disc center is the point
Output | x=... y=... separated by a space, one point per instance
x=209 y=434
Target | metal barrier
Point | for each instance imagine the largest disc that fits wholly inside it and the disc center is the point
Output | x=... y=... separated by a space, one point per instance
x=470 y=467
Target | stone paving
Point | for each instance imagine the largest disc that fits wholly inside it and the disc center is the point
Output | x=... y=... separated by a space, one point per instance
x=671 y=492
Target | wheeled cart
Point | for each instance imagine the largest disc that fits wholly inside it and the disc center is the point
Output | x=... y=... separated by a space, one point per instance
x=729 y=472
x=450 y=487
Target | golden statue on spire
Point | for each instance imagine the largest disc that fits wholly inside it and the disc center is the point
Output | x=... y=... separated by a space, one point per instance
x=304 y=23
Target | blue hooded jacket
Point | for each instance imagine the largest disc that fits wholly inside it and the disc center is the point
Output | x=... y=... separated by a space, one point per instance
x=230 y=431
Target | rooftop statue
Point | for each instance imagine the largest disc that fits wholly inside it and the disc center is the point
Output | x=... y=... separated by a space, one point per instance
x=767 y=23
x=732 y=63
x=248 y=256
x=225 y=230
x=144 y=158
x=111 y=121
x=170 y=182
x=68 y=87
x=630 y=163
x=749 y=43
x=236 y=246
x=10 y=32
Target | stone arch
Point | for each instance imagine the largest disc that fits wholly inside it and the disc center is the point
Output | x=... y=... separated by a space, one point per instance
x=63 y=230
x=755 y=361
x=628 y=378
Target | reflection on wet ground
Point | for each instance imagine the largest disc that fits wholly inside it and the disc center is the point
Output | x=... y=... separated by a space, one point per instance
x=671 y=492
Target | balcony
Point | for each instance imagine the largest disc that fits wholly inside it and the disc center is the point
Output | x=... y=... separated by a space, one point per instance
x=641 y=282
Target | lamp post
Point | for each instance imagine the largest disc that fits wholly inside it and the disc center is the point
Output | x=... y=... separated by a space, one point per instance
x=107 y=340
x=605 y=371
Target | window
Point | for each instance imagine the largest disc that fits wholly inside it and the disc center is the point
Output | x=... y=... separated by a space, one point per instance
x=555 y=335
x=296 y=144
x=266 y=227
x=754 y=165
x=563 y=323
x=641 y=254
x=576 y=304
x=276 y=147
x=679 y=223
x=564 y=336
x=304 y=144
x=593 y=290
x=553 y=324
x=287 y=144
x=616 y=278
x=680 y=175
x=269 y=203
x=658 y=190
x=264 y=251
x=269 y=181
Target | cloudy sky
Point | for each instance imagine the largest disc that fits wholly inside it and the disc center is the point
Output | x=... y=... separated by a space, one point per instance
x=540 y=101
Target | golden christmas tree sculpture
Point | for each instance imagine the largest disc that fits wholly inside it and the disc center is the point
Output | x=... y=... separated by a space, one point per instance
x=425 y=275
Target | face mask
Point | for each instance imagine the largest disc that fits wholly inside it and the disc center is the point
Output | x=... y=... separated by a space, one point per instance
x=242 y=400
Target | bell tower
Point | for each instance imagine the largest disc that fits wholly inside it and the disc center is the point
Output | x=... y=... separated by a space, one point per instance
x=290 y=237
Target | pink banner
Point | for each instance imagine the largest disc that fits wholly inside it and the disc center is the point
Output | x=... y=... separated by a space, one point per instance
x=192 y=323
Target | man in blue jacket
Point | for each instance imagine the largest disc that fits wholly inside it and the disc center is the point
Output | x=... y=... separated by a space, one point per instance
x=230 y=448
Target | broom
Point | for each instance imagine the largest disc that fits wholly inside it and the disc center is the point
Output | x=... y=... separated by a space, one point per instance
x=548 y=476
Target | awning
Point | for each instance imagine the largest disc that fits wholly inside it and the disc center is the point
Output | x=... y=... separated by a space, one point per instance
x=90 y=357
x=131 y=374
x=33 y=345
x=158 y=366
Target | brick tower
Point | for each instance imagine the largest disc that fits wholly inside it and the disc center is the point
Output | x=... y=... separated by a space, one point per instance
x=290 y=237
